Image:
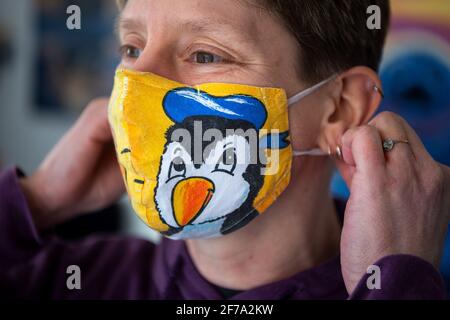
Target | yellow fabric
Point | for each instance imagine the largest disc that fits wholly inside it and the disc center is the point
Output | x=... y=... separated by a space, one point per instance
x=139 y=124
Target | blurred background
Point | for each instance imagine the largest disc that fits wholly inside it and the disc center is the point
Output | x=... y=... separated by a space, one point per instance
x=48 y=73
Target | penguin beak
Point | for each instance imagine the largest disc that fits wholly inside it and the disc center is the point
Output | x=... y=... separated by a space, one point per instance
x=189 y=197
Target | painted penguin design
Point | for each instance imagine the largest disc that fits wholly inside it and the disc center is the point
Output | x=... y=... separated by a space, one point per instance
x=213 y=195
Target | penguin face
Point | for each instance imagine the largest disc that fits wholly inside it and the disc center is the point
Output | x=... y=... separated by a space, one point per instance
x=206 y=193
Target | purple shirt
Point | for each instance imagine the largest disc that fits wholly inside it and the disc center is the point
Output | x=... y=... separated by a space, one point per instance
x=33 y=266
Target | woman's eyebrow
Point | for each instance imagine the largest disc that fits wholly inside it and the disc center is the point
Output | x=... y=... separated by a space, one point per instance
x=127 y=24
x=220 y=27
x=204 y=25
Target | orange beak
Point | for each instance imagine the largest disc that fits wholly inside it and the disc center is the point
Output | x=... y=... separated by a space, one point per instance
x=189 y=197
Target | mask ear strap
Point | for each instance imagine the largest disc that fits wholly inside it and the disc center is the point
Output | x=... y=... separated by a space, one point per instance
x=296 y=98
x=312 y=152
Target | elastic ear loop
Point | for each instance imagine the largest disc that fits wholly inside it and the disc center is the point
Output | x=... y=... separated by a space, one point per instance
x=312 y=152
x=299 y=96
x=296 y=98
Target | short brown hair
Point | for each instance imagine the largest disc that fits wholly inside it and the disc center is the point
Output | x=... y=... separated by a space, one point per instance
x=332 y=34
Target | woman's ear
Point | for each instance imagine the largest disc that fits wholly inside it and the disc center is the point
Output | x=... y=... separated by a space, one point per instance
x=356 y=96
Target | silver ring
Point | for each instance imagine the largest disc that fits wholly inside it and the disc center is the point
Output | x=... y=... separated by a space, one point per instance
x=389 y=144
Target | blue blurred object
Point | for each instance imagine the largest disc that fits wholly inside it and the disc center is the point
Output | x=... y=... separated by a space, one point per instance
x=417 y=86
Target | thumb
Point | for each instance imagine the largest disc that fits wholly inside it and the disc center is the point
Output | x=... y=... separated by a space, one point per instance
x=346 y=164
x=94 y=122
x=361 y=152
x=346 y=170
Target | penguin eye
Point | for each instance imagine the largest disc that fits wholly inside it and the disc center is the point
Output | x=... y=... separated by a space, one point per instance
x=177 y=169
x=227 y=162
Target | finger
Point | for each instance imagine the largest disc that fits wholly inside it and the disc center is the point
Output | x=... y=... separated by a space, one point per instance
x=362 y=149
x=413 y=154
x=390 y=126
x=346 y=164
x=347 y=171
x=91 y=133
x=346 y=142
x=85 y=141
x=108 y=184
x=94 y=121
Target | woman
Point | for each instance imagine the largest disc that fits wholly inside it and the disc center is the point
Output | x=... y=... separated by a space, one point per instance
x=395 y=218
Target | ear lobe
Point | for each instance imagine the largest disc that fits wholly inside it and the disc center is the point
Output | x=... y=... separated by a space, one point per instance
x=355 y=102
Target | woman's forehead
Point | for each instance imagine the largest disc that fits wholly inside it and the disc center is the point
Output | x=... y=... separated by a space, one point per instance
x=195 y=15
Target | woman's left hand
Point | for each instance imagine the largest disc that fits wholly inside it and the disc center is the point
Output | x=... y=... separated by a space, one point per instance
x=399 y=200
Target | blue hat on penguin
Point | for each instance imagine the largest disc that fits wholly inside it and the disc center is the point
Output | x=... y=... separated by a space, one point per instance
x=185 y=102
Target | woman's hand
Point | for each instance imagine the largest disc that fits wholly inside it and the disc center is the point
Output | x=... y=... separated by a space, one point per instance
x=81 y=173
x=399 y=200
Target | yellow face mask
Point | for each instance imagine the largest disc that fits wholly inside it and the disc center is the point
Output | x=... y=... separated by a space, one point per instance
x=200 y=161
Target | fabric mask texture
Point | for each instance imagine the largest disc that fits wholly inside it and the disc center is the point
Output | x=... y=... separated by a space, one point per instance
x=174 y=194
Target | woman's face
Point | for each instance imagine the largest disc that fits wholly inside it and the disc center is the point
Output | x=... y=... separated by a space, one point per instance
x=197 y=41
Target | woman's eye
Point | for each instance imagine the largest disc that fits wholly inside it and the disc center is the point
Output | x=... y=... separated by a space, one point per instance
x=129 y=52
x=177 y=168
x=227 y=162
x=205 y=57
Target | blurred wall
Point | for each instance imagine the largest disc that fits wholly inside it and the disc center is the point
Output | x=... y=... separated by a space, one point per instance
x=25 y=135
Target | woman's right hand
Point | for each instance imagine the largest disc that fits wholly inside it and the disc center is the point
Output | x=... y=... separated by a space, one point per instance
x=79 y=175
